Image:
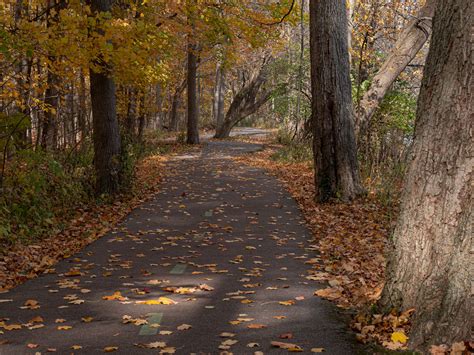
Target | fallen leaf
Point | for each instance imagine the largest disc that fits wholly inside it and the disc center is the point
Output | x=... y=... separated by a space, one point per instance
x=117 y=295
x=184 y=327
x=227 y=335
x=64 y=327
x=153 y=345
x=160 y=300
x=287 y=346
x=109 y=349
x=317 y=350
x=31 y=304
x=399 y=337
x=256 y=326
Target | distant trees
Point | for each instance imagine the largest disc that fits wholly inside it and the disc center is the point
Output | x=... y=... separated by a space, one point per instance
x=334 y=146
x=430 y=266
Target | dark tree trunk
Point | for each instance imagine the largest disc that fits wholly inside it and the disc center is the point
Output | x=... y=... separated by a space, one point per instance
x=334 y=145
x=131 y=118
x=173 y=121
x=192 y=109
x=106 y=136
x=430 y=266
x=49 y=132
x=141 y=117
x=50 y=124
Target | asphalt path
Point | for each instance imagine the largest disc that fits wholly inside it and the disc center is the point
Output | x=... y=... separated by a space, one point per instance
x=223 y=242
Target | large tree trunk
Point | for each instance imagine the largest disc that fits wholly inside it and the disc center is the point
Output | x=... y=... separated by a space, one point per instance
x=334 y=146
x=105 y=124
x=192 y=116
x=430 y=267
x=409 y=43
x=246 y=102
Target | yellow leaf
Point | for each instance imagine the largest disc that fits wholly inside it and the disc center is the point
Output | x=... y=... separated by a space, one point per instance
x=116 y=296
x=400 y=337
x=161 y=300
x=109 y=349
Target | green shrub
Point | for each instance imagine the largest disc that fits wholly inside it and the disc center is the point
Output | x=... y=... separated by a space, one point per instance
x=37 y=190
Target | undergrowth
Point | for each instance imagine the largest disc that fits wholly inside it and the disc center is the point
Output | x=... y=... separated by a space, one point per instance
x=41 y=190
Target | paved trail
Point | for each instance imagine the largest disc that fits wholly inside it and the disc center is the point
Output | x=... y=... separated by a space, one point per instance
x=230 y=227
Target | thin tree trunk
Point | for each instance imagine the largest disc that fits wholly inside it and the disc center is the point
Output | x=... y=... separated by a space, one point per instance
x=51 y=99
x=131 y=118
x=334 y=145
x=82 y=110
x=192 y=109
x=173 y=121
x=300 y=71
x=218 y=103
x=409 y=43
x=141 y=117
x=430 y=266
x=107 y=145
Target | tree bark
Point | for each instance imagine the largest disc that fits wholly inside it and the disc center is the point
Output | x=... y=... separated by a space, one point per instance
x=334 y=147
x=218 y=103
x=409 y=43
x=49 y=132
x=192 y=109
x=50 y=124
x=131 y=118
x=430 y=266
x=107 y=145
x=82 y=112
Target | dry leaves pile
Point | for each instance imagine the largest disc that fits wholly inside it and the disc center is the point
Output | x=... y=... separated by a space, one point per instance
x=84 y=225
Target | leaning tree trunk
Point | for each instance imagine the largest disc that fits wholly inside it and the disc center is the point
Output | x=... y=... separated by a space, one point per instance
x=411 y=40
x=246 y=102
x=430 y=267
x=192 y=116
x=105 y=124
x=334 y=145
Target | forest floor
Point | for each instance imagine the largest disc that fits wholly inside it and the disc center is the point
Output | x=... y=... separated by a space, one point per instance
x=219 y=260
